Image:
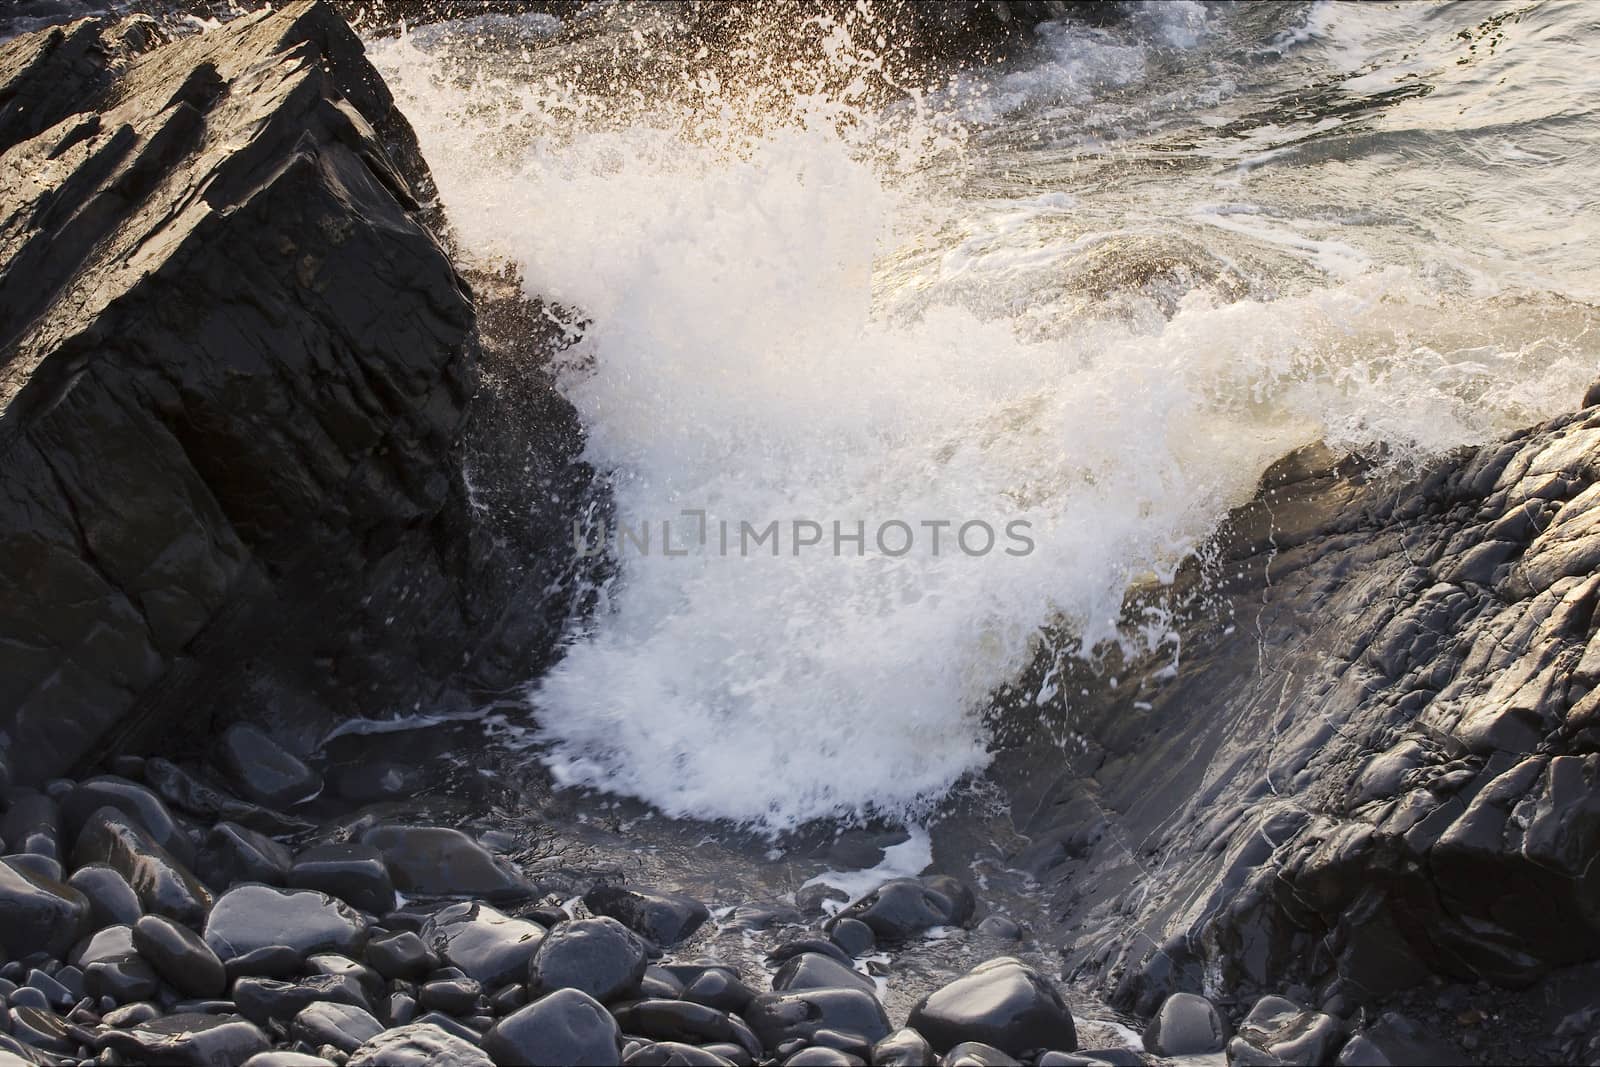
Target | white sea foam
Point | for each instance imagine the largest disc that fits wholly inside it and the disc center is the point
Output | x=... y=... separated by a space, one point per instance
x=810 y=321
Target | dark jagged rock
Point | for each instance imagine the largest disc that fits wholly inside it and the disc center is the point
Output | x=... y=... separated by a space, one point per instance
x=568 y=1027
x=905 y=907
x=437 y=861
x=252 y=917
x=1427 y=803
x=489 y=947
x=1396 y=1040
x=179 y=956
x=221 y=286
x=777 y=1018
x=188 y=793
x=196 y=1040
x=663 y=918
x=40 y=915
x=264 y=770
x=165 y=886
x=600 y=956
x=354 y=873
x=1003 y=1003
x=418 y=1045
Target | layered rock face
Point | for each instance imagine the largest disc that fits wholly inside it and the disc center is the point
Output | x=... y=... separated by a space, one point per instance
x=1379 y=758
x=236 y=371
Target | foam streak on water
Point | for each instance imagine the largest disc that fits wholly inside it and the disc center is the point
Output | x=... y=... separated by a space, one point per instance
x=913 y=319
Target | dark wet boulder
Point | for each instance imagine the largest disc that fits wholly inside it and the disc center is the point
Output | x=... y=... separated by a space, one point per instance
x=355 y=874
x=270 y=961
x=1396 y=1041
x=566 y=1028
x=418 y=1045
x=344 y=1026
x=438 y=861
x=778 y=1018
x=134 y=800
x=38 y=914
x=265 y=1000
x=790 y=949
x=32 y=824
x=905 y=907
x=251 y=917
x=488 y=946
x=233 y=853
x=185 y=791
x=673 y=1054
x=717 y=987
x=903 y=1048
x=179 y=956
x=286 y=1058
x=662 y=918
x=165 y=886
x=809 y=970
x=977 y=1054
x=456 y=995
x=42 y=1029
x=400 y=955
x=1279 y=1031
x=853 y=936
x=1186 y=1025
x=193 y=1040
x=823 y=1056
x=1003 y=1003
x=682 y=1020
x=263 y=770
x=599 y=956
x=112 y=900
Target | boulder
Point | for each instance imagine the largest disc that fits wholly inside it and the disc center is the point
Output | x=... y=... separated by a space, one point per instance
x=600 y=956
x=253 y=917
x=565 y=1029
x=354 y=873
x=777 y=1018
x=662 y=918
x=193 y=1040
x=489 y=947
x=438 y=861
x=164 y=885
x=1186 y=1025
x=41 y=915
x=418 y=1045
x=1003 y=1003
x=905 y=907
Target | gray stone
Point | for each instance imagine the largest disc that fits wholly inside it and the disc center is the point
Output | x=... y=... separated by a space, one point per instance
x=418 y=1045
x=178 y=955
x=1186 y=1025
x=252 y=917
x=32 y=824
x=777 y=1018
x=1279 y=1031
x=568 y=1027
x=267 y=1000
x=437 y=861
x=354 y=873
x=903 y=1048
x=977 y=1054
x=195 y=1040
x=905 y=907
x=401 y=955
x=264 y=770
x=489 y=947
x=233 y=853
x=134 y=800
x=40 y=915
x=1003 y=1003
x=344 y=1026
x=662 y=918
x=599 y=956
x=164 y=885
x=812 y=971
x=1395 y=1041
x=112 y=900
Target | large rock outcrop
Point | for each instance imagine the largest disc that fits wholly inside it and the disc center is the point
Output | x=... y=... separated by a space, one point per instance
x=1379 y=759
x=236 y=368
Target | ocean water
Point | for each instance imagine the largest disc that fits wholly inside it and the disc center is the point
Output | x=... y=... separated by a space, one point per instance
x=1080 y=299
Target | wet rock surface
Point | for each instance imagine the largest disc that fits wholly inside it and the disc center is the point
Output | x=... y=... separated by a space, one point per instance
x=1401 y=872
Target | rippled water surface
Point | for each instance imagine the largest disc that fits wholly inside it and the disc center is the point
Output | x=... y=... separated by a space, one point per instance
x=1096 y=289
